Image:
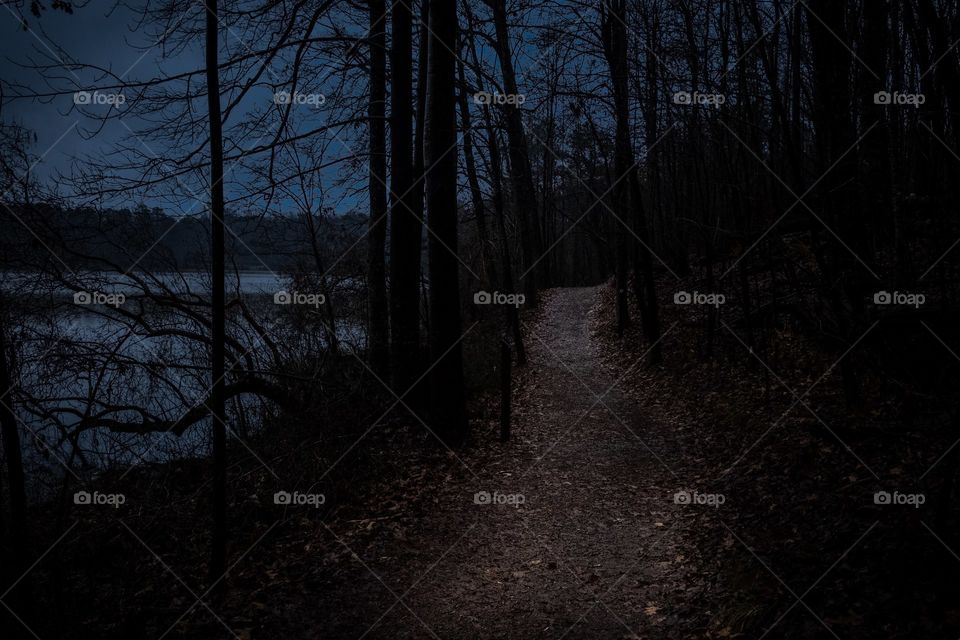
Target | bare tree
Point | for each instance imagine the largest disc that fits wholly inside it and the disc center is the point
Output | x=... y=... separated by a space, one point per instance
x=524 y=194
x=218 y=552
x=447 y=410
x=405 y=221
x=378 y=328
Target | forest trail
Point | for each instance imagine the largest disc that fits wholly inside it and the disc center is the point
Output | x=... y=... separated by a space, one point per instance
x=580 y=537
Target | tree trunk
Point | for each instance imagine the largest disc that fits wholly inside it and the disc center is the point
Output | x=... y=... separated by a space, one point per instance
x=218 y=547
x=15 y=560
x=876 y=193
x=832 y=108
x=418 y=192
x=615 y=50
x=524 y=196
x=496 y=183
x=447 y=411
x=405 y=225
x=476 y=195
x=627 y=194
x=378 y=330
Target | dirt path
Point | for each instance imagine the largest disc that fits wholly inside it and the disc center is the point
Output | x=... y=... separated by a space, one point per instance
x=594 y=549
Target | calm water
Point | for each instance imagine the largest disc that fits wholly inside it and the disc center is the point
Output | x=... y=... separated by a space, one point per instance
x=61 y=345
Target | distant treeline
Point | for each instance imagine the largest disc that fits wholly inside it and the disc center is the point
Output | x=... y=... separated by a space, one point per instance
x=152 y=239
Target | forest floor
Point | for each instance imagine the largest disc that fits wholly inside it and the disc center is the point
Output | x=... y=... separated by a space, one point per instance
x=581 y=536
x=690 y=499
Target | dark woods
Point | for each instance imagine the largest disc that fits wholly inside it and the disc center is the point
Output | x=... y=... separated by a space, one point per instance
x=309 y=223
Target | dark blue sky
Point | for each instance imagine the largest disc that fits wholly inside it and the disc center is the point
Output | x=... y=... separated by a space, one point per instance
x=96 y=34
x=110 y=37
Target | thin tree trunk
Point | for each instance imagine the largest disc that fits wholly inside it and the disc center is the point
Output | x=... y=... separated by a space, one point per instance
x=832 y=106
x=329 y=312
x=524 y=196
x=627 y=192
x=377 y=306
x=615 y=50
x=496 y=174
x=476 y=196
x=16 y=557
x=218 y=547
x=876 y=192
x=418 y=164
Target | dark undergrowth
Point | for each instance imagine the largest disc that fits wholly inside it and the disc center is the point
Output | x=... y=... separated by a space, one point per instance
x=140 y=570
x=804 y=546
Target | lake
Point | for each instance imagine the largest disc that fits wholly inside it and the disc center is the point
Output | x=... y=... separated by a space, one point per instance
x=77 y=360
